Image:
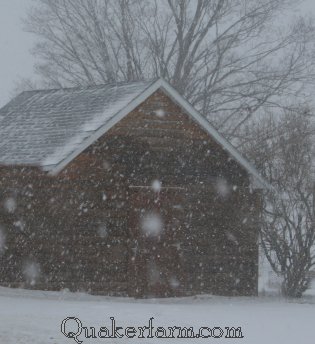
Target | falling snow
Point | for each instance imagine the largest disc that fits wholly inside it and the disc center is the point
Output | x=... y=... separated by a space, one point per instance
x=152 y=224
x=159 y=113
x=156 y=185
x=31 y=272
x=106 y=165
x=153 y=273
x=19 y=224
x=10 y=205
x=222 y=188
x=2 y=240
x=231 y=237
x=102 y=231
x=174 y=282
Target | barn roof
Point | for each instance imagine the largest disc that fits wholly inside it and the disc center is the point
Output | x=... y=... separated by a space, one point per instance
x=49 y=128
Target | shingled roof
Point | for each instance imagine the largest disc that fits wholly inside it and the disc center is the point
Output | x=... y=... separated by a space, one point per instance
x=49 y=128
x=43 y=127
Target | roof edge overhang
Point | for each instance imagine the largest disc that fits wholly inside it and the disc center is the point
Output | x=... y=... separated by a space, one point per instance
x=257 y=180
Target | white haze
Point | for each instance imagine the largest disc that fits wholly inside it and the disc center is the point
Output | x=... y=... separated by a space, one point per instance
x=16 y=61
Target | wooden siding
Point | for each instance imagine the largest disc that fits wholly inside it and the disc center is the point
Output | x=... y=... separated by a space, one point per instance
x=82 y=227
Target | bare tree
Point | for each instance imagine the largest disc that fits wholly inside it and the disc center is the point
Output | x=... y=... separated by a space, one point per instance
x=24 y=84
x=284 y=150
x=229 y=58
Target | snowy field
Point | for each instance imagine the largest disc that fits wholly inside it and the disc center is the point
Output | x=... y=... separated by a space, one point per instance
x=36 y=317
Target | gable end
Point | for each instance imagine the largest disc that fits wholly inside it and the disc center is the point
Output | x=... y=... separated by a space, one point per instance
x=257 y=180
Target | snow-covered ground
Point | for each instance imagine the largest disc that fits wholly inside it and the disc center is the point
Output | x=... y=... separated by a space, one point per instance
x=36 y=317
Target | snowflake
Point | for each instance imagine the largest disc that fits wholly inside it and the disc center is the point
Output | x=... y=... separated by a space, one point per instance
x=152 y=224
x=2 y=240
x=222 y=188
x=102 y=231
x=31 y=272
x=174 y=282
x=159 y=113
x=156 y=185
x=10 y=205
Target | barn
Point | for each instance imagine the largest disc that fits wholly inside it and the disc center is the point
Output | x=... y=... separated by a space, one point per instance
x=124 y=189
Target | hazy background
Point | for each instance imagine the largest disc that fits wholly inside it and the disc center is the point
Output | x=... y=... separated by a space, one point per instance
x=16 y=60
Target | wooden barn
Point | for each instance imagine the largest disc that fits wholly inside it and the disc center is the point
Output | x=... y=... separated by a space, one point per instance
x=124 y=189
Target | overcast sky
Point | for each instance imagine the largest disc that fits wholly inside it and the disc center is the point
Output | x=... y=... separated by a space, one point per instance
x=16 y=60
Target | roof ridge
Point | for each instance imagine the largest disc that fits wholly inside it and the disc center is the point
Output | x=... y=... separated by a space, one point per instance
x=110 y=84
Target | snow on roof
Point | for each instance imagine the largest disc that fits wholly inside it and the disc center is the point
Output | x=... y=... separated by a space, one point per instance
x=49 y=128
x=43 y=127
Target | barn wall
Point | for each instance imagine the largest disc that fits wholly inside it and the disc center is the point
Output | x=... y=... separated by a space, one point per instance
x=79 y=230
